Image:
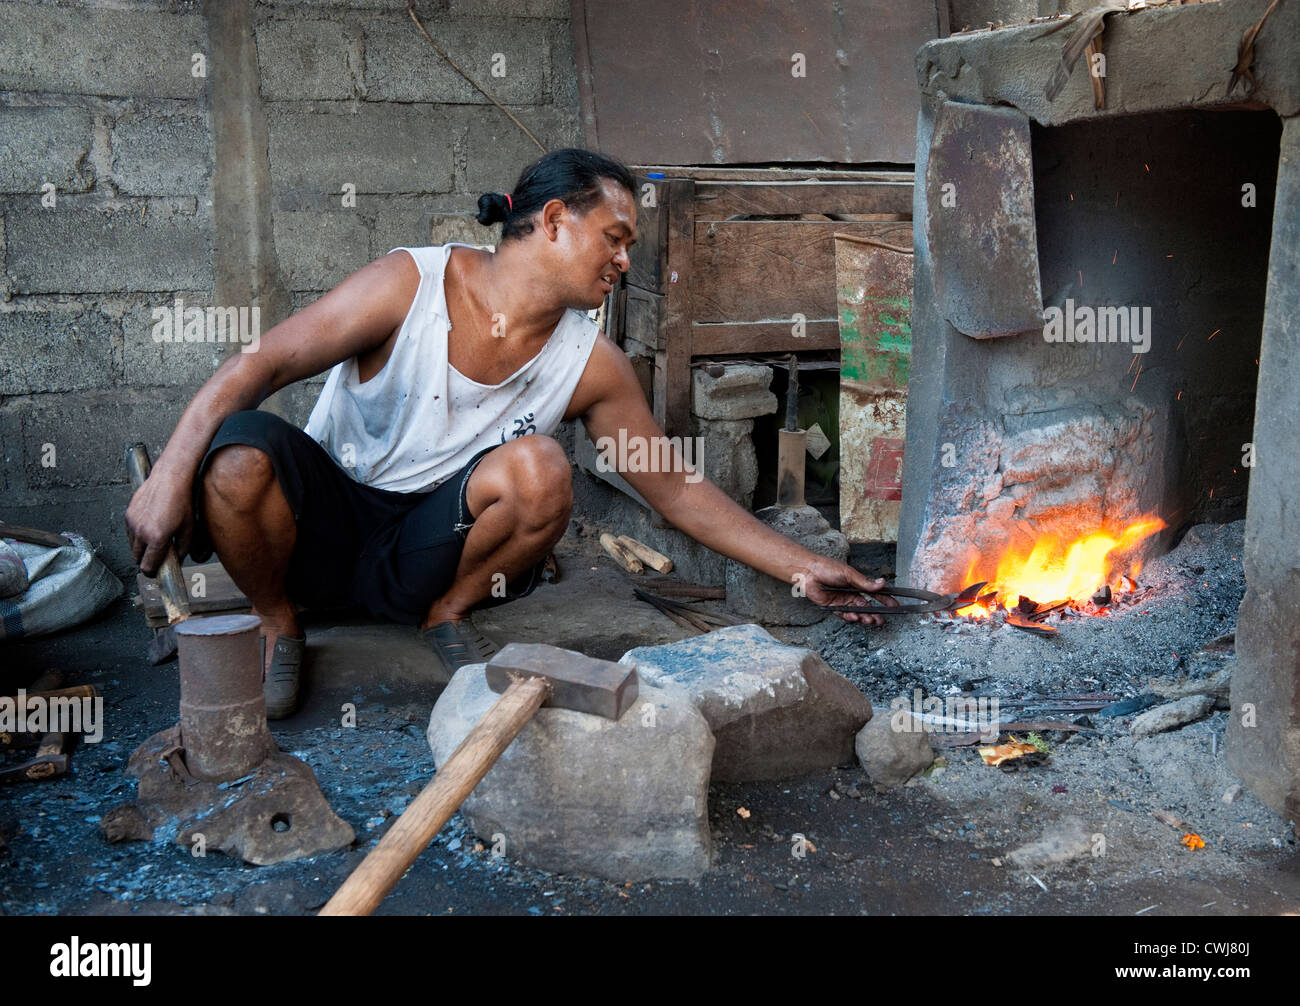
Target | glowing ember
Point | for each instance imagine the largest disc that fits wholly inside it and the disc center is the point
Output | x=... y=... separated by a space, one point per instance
x=1060 y=571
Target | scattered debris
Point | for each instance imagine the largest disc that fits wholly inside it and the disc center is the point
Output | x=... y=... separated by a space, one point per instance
x=1193 y=841
x=1006 y=752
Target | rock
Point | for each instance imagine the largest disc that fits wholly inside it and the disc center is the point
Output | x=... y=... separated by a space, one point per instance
x=763 y=598
x=625 y=800
x=1064 y=841
x=1231 y=793
x=893 y=747
x=776 y=711
x=1172 y=715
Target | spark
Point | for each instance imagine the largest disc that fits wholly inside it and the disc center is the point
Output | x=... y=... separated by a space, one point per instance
x=1214 y=333
x=1180 y=343
x=1135 y=378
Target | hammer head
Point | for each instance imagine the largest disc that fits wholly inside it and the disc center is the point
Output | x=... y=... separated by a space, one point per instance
x=577 y=681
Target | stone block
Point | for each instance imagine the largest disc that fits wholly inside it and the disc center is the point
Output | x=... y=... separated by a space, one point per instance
x=509 y=8
x=764 y=598
x=413 y=221
x=740 y=393
x=625 y=800
x=148 y=363
x=88 y=433
x=776 y=711
x=318 y=250
x=730 y=462
x=303 y=59
x=43 y=144
x=115 y=53
x=56 y=347
x=893 y=747
x=497 y=151
x=376 y=147
x=77 y=250
x=511 y=59
x=158 y=155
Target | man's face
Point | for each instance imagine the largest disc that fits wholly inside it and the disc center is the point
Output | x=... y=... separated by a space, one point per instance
x=593 y=247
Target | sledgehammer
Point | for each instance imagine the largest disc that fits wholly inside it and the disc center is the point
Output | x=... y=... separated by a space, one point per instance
x=530 y=675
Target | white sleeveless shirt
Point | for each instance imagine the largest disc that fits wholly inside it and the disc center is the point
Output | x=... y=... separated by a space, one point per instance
x=419 y=420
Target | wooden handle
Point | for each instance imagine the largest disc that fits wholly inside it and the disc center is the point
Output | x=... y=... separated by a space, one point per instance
x=380 y=871
x=170 y=579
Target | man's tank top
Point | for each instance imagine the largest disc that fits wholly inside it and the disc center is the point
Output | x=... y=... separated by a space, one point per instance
x=419 y=420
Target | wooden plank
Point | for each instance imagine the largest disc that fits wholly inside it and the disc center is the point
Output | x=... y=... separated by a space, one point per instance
x=646 y=265
x=673 y=374
x=219 y=592
x=764 y=270
x=644 y=311
x=764 y=337
x=723 y=200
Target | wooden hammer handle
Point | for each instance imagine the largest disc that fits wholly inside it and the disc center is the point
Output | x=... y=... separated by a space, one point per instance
x=170 y=579
x=380 y=871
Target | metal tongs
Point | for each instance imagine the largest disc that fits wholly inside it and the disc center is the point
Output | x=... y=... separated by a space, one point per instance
x=931 y=601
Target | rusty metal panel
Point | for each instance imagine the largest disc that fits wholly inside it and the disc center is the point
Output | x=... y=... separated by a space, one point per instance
x=979 y=192
x=719 y=82
x=874 y=298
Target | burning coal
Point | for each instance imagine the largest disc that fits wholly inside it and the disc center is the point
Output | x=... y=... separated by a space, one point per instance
x=1055 y=571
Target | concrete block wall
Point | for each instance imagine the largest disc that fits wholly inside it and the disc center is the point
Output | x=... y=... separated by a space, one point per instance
x=119 y=105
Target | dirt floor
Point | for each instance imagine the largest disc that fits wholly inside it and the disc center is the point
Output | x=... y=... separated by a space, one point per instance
x=937 y=846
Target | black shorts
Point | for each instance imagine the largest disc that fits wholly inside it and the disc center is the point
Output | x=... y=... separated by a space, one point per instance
x=391 y=553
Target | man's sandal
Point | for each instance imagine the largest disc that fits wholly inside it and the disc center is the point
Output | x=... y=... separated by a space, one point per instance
x=280 y=686
x=458 y=644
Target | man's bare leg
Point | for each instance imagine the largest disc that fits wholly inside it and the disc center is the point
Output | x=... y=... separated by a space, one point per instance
x=520 y=496
x=253 y=533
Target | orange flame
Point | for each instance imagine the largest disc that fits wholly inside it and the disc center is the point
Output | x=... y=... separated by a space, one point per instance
x=1056 y=571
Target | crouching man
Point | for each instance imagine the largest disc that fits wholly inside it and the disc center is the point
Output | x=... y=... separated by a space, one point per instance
x=427 y=471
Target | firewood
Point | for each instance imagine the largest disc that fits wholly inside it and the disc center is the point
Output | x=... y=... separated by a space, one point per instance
x=657 y=561
x=620 y=554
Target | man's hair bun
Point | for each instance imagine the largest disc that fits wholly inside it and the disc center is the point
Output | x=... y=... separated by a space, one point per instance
x=492 y=208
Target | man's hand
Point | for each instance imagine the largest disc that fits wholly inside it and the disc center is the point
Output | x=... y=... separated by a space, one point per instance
x=828 y=582
x=159 y=513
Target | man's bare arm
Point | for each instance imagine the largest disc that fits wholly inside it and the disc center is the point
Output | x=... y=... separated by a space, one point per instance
x=355 y=317
x=613 y=400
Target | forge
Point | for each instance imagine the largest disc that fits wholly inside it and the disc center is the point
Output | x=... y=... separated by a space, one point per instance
x=1166 y=217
